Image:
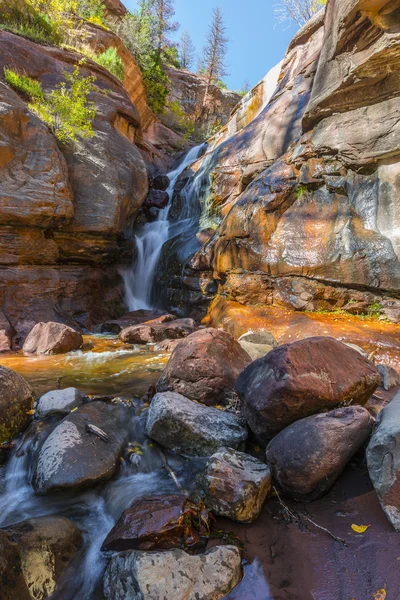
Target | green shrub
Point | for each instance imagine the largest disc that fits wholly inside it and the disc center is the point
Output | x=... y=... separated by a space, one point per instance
x=66 y=110
x=24 y=84
x=112 y=62
x=29 y=23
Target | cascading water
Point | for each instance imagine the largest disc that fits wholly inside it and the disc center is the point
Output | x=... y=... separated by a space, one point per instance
x=139 y=279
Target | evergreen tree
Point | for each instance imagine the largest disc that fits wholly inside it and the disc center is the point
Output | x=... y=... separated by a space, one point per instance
x=164 y=11
x=187 y=51
x=214 y=55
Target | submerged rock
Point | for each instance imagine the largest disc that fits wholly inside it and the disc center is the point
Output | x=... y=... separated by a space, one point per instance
x=16 y=399
x=236 y=485
x=52 y=338
x=174 y=575
x=257 y=343
x=307 y=457
x=300 y=379
x=204 y=367
x=153 y=331
x=383 y=459
x=72 y=457
x=156 y=523
x=58 y=402
x=34 y=555
x=191 y=429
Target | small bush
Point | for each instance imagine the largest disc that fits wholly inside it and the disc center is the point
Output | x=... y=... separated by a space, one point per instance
x=112 y=62
x=28 y=23
x=24 y=84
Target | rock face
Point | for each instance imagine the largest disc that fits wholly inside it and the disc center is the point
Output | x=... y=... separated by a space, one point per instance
x=156 y=523
x=34 y=556
x=72 y=457
x=307 y=457
x=174 y=574
x=191 y=429
x=300 y=379
x=383 y=458
x=16 y=399
x=54 y=238
x=236 y=485
x=205 y=367
x=158 y=332
x=52 y=338
x=58 y=402
x=304 y=193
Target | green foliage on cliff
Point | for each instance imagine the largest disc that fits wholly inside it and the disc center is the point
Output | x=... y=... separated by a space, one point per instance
x=28 y=23
x=66 y=110
x=112 y=62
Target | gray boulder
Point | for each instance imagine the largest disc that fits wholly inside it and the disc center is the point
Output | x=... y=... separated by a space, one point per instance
x=257 y=343
x=307 y=457
x=58 y=402
x=74 y=457
x=236 y=485
x=173 y=575
x=192 y=429
x=383 y=459
x=390 y=378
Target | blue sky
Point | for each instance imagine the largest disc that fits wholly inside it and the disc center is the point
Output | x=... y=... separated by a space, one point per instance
x=256 y=42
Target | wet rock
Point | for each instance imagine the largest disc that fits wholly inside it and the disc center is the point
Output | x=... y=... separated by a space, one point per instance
x=383 y=459
x=160 y=182
x=16 y=399
x=153 y=331
x=52 y=338
x=34 y=555
x=176 y=575
x=205 y=367
x=58 y=402
x=236 y=485
x=191 y=429
x=157 y=523
x=136 y=317
x=307 y=457
x=156 y=199
x=257 y=343
x=300 y=379
x=390 y=378
x=73 y=458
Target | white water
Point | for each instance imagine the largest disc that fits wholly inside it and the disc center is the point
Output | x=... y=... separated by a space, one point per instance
x=139 y=279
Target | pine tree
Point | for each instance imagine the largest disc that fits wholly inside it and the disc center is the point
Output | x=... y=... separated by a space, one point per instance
x=187 y=51
x=214 y=54
x=164 y=11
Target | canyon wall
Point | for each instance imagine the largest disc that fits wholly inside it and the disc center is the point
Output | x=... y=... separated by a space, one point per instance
x=307 y=194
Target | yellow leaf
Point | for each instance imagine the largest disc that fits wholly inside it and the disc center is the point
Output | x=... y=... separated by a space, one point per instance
x=30 y=412
x=380 y=594
x=360 y=528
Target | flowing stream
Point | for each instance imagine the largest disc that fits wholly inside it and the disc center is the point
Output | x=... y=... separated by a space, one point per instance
x=139 y=280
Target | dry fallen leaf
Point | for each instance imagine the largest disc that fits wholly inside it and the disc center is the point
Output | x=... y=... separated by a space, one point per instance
x=360 y=528
x=30 y=412
x=380 y=594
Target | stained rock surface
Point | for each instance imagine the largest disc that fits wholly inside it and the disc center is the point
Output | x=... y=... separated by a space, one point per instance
x=52 y=338
x=16 y=400
x=296 y=380
x=72 y=457
x=383 y=459
x=236 y=485
x=204 y=367
x=157 y=332
x=191 y=429
x=153 y=575
x=307 y=457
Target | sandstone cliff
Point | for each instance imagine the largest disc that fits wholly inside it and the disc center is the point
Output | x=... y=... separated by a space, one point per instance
x=307 y=193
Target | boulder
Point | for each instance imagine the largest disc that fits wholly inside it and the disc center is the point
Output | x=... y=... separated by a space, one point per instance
x=236 y=485
x=16 y=399
x=73 y=457
x=136 y=317
x=34 y=555
x=300 y=379
x=257 y=343
x=191 y=429
x=153 y=331
x=167 y=346
x=160 y=182
x=383 y=459
x=58 y=402
x=135 y=575
x=157 y=523
x=52 y=338
x=156 y=199
x=205 y=367
x=307 y=457
x=6 y=333
x=390 y=378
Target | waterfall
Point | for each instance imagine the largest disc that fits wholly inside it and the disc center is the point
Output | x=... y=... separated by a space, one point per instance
x=139 y=279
